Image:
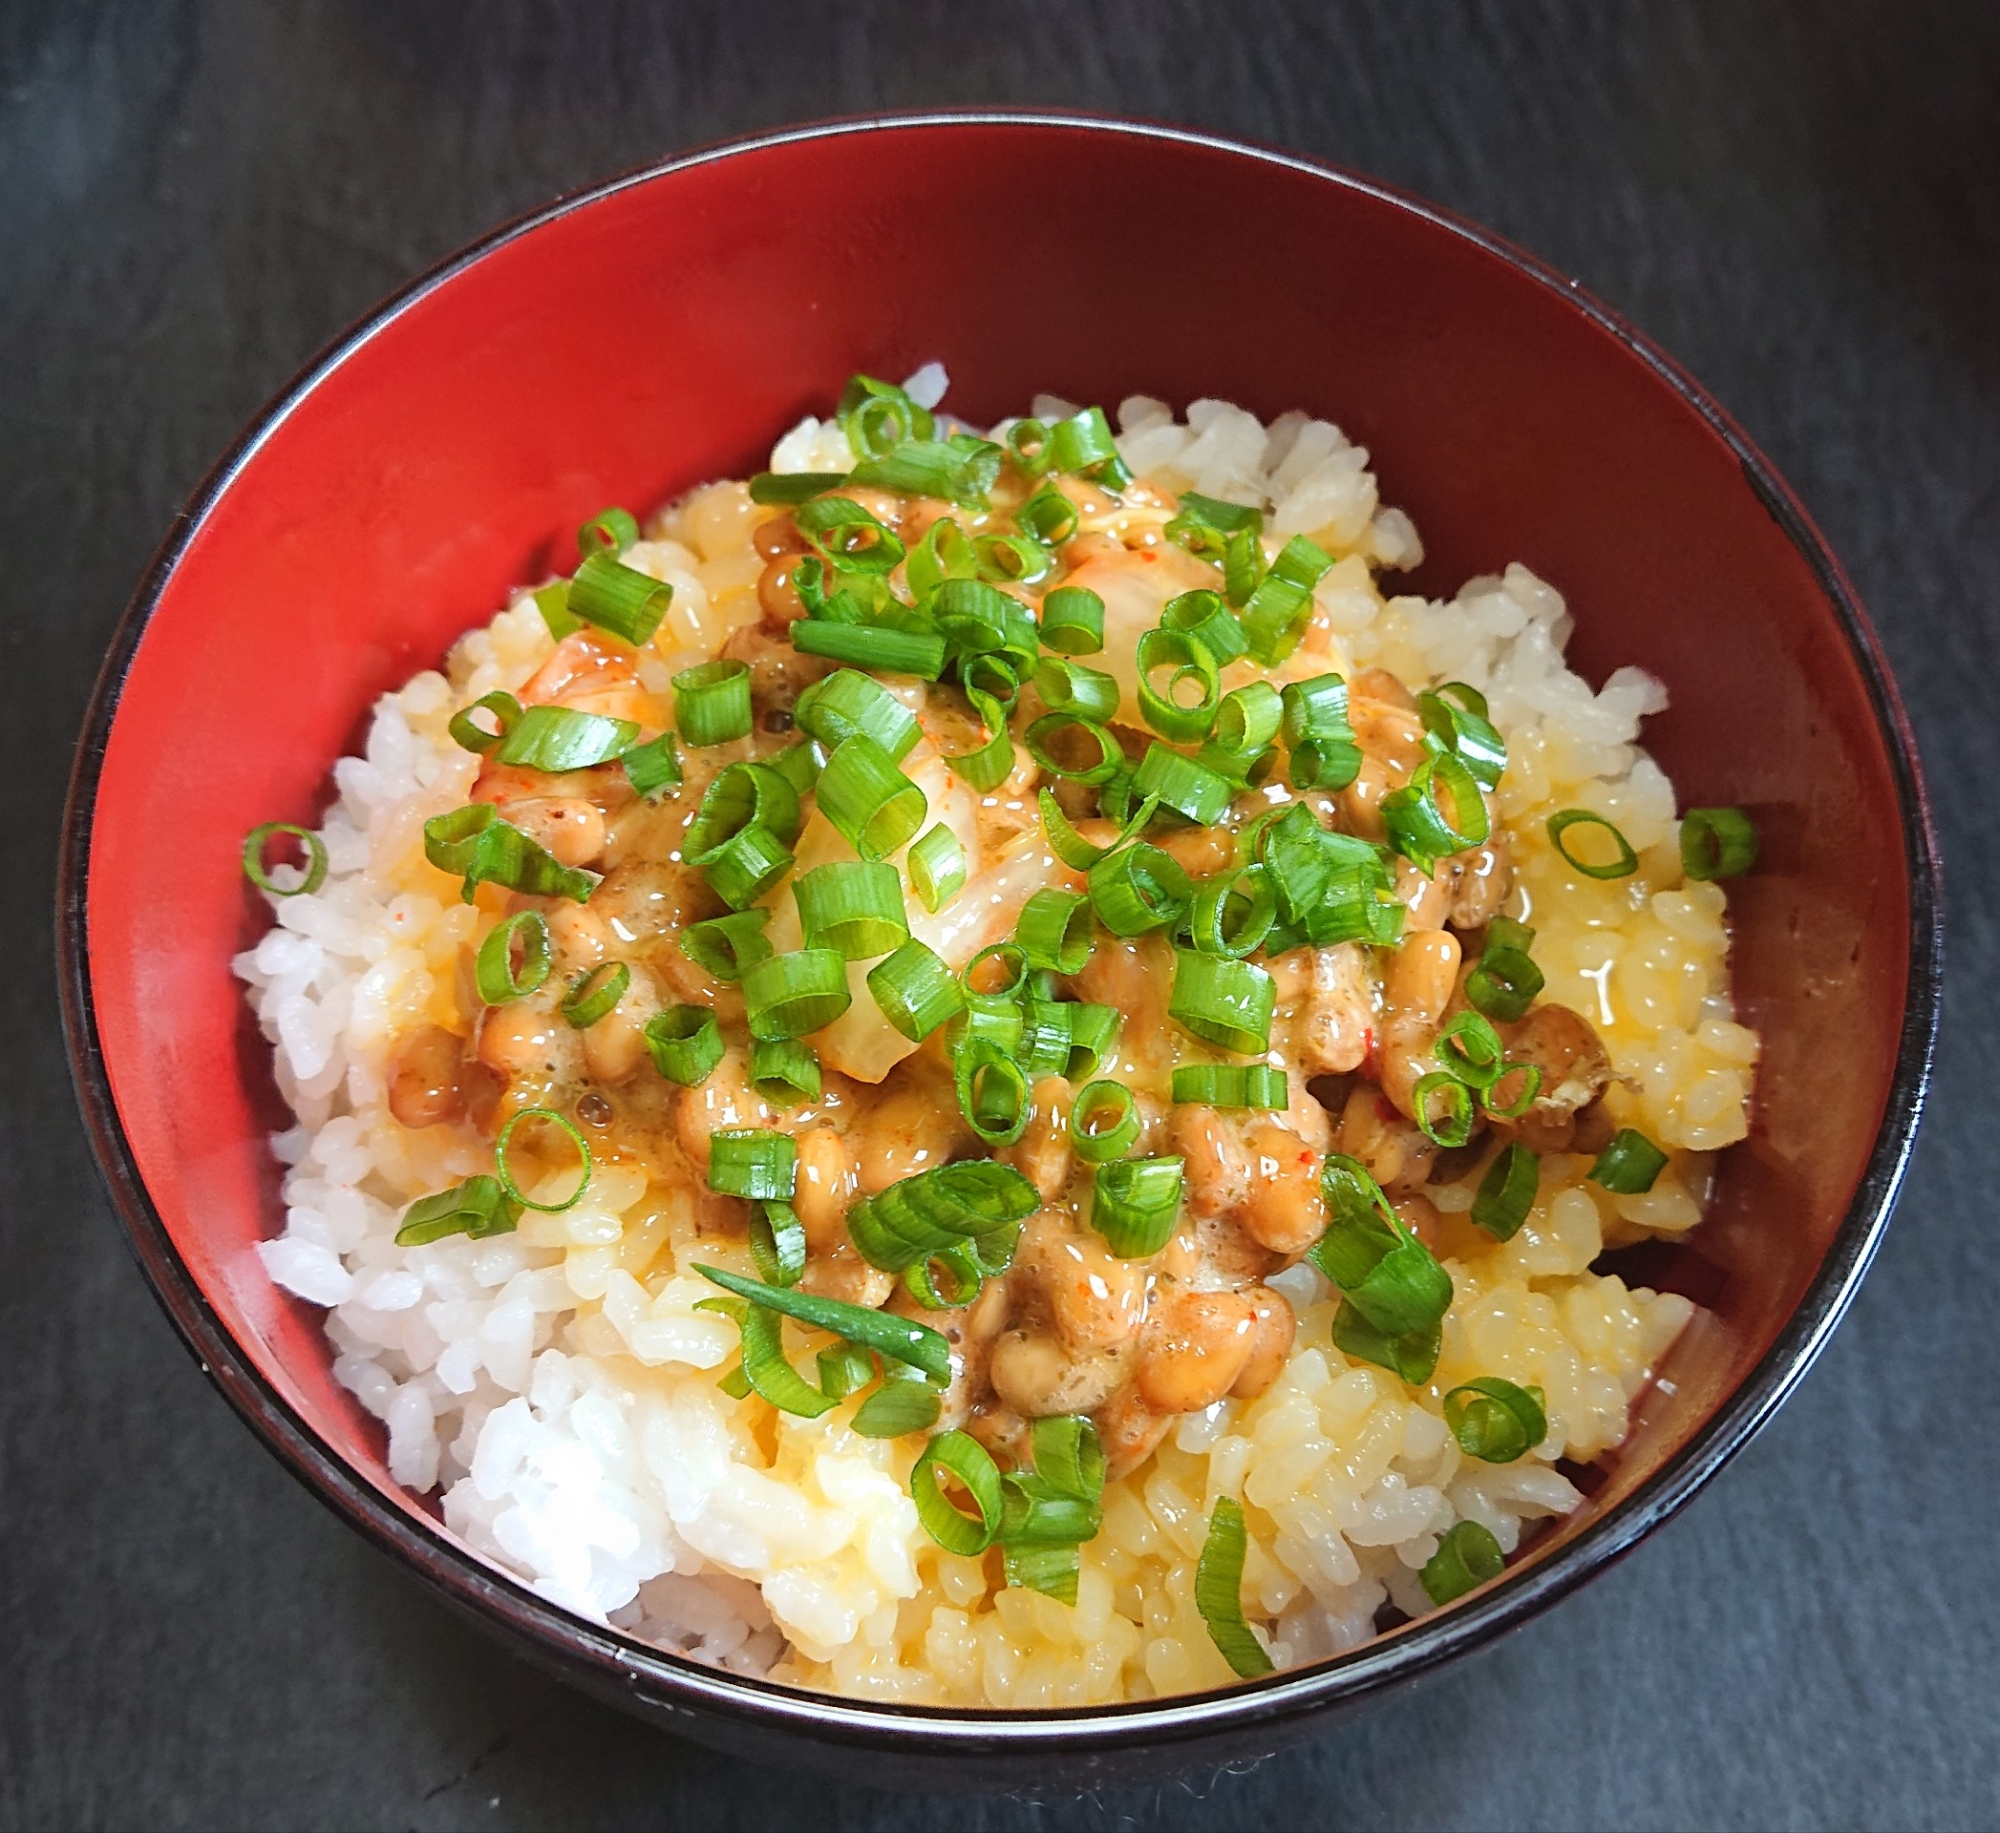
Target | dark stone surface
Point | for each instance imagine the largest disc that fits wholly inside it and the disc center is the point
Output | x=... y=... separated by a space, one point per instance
x=1801 y=201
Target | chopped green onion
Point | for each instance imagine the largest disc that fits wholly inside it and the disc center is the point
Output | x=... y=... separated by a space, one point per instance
x=493 y=970
x=975 y=1200
x=685 y=1044
x=472 y=736
x=980 y=619
x=798 y=764
x=1507 y=1192
x=746 y=865
x=1180 y=783
x=595 y=993
x=1233 y=912
x=1017 y=560
x=778 y=1244
x=846 y=702
x=937 y=867
x=1412 y=1356
x=1386 y=1274
x=557 y=738
x=609 y=531
x=1415 y=818
x=992 y=1091
x=1092 y=1030
x=1471 y=1050
x=1135 y=1203
x=878 y=416
x=915 y=991
x=1071 y=687
x=852 y=906
x=617 y=598
x=743 y=795
x=794 y=994
x=1073 y=621
x=1139 y=889
x=965 y=1458
x=1071 y=848
x=315 y=870
x=1249 y=718
x=1524 y=1099
x=653 y=766
x=933 y=467
x=1277 y=613
x=1479 y=747
x=868 y=799
x=766 y=1370
x=1028 y=447
x=783 y=489
x=753 y=1162
x=1232 y=1085
x=1495 y=1421
x=1504 y=983
x=1012 y=960
x=1103 y=1122
x=1183 y=721
x=896 y=1408
x=474 y=842
x=1717 y=843
x=891 y=652
x=1623 y=866
x=1628 y=1166
x=712 y=702
x=944 y=553
x=784 y=1071
x=987 y=765
x=1318 y=731
x=844 y=1368
x=1454 y=1127
x=992 y=677
x=725 y=948
x=1054 y=931
x=847 y=535
x=1205 y=524
x=1242 y=567
x=552 y=601
x=1203 y=615
x=907 y=1341
x=1218 y=1591
x=1053 y=728
x=478 y=1208
x=1466 y=1558
x=1048 y=516
x=1082 y=446
x=506 y=1176
x=1223 y=1001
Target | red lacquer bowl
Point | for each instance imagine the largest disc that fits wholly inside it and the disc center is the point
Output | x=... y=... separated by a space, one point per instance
x=660 y=330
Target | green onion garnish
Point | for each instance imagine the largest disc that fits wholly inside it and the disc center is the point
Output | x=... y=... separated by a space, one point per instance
x=783 y=489
x=1623 y=866
x=315 y=870
x=1073 y=621
x=1418 y=827
x=777 y=1243
x=1028 y=447
x=898 y=1407
x=1232 y=1085
x=1048 y=516
x=609 y=531
x=1139 y=889
x=1054 y=931
x=944 y=553
x=868 y=799
x=493 y=970
x=987 y=765
x=846 y=703
x=847 y=535
x=475 y=843
x=1205 y=524
x=685 y=1044
x=1233 y=912
x=1389 y=1278
x=844 y=1368
x=1523 y=1099
x=1249 y=718
x=1083 y=447
x=976 y=1202
x=617 y=598
x=1218 y=1591
x=595 y=994
x=743 y=795
x=753 y=1162
x=1203 y=615
x=1629 y=1164
x=471 y=735
x=992 y=1090
x=1092 y=1030
x=556 y=738
x=478 y=1207
x=937 y=867
x=1507 y=1192
x=915 y=991
x=1470 y=1049
x=1071 y=848
x=1223 y=1001
x=1017 y=560
x=1135 y=1203
x=1717 y=843
x=794 y=994
x=1495 y=1421
x=1242 y=567
x=1466 y=1558
x=1504 y=983
x=966 y=1459
x=890 y=652
x=552 y=601
x=784 y=1071
x=1100 y=766
x=653 y=766
x=1412 y=1356
x=506 y=1177
x=1458 y=729
x=852 y=906
x=1277 y=613
x=1452 y=1128
x=746 y=865
x=888 y=1335
x=1180 y=783
x=878 y=416
x=712 y=702
x=1170 y=714
x=766 y=1371
x=1321 y=738
x=961 y=472
x=725 y=948
x=1103 y=1122
x=1071 y=687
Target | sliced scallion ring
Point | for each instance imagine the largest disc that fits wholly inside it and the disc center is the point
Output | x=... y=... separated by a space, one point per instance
x=1495 y=1421
x=1103 y=1122
x=864 y=795
x=1507 y=1192
x=1049 y=516
x=1203 y=615
x=1453 y=1127
x=478 y=1208
x=1218 y=1591
x=1079 y=750
x=315 y=868
x=915 y=990
x=1233 y=912
x=609 y=531
x=685 y=1044
x=847 y=535
x=595 y=994
x=988 y=764
x=1073 y=621
x=871 y=646
x=493 y=970
x=712 y=702
x=725 y=948
x=502 y=1171
x=847 y=702
x=1054 y=931
x=897 y=1408
x=1083 y=446
x=1171 y=713
x=967 y=1460
x=1092 y=1030
x=653 y=766
x=794 y=994
x=1073 y=688
x=1417 y=824
x=468 y=733
x=1248 y=718
x=777 y=1244
x=992 y=1091
x=753 y=1162
x=1504 y=982
x=1232 y=1085
x=852 y=906
x=613 y=597
x=1525 y=1094
x=1717 y=843
x=1470 y=1049
x=1629 y=1165
x=1135 y=1203
x=1223 y=1001
x=1623 y=865
x=1138 y=889
x=1184 y=784
x=784 y=1071
x=766 y=1370
x=1071 y=848
x=937 y=867
x=1015 y=560
x=783 y=489
x=1466 y=1558
x=477 y=844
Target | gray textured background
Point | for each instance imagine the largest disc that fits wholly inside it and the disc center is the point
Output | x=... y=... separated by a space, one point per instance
x=1802 y=202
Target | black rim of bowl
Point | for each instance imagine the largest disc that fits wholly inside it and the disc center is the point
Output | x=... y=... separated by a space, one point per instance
x=635 y=1668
